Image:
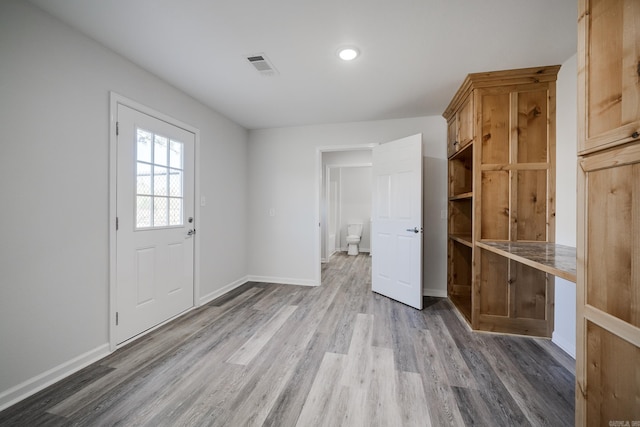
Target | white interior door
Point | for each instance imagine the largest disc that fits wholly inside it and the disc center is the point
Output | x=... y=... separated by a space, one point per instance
x=397 y=220
x=156 y=228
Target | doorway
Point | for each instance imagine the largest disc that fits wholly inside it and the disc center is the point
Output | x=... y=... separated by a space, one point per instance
x=345 y=197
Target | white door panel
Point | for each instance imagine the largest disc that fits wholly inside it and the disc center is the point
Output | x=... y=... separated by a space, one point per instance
x=397 y=211
x=155 y=208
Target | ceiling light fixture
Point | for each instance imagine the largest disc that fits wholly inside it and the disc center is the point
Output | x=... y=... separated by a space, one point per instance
x=348 y=53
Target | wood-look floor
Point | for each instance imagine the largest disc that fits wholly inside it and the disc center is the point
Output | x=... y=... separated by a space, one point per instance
x=335 y=355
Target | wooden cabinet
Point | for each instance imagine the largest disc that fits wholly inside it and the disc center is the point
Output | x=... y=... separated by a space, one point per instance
x=608 y=285
x=460 y=127
x=502 y=188
x=609 y=73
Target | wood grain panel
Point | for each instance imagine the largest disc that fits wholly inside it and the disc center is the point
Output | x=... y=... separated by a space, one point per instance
x=495 y=128
x=494 y=213
x=528 y=292
x=605 y=82
x=465 y=122
x=608 y=73
x=612 y=209
x=494 y=285
x=532 y=126
x=613 y=370
x=531 y=217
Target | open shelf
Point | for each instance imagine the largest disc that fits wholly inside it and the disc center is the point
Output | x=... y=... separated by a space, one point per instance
x=464 y=239
x=460 y=273
x=461 y=172
x=462 y=196
x=460 y=216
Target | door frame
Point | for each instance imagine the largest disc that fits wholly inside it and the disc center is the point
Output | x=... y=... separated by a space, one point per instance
x=116 y=99
x=318 y=233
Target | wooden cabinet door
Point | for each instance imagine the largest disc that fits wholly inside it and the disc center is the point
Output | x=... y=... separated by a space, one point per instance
x=460 y=127
x=608 y=73
x=465 y=122
x=608 y=287
x=452 y=136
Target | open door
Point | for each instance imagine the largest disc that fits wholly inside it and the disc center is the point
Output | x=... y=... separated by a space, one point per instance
x=397 y=220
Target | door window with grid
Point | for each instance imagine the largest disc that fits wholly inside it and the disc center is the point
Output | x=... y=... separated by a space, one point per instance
x=159 y=181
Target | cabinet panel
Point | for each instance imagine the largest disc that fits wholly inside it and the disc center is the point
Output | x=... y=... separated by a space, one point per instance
x=528 y=292
x=494 y=285
x=531 y=215
x=532 y=127
x=613 y=371
x=465 y=122
x=460 y=127
x=452 y=129
x=609 y=71
x=495 y=128
x=494 y=215
x=613 y=209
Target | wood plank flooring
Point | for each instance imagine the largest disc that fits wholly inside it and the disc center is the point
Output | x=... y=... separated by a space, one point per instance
x=335 y=355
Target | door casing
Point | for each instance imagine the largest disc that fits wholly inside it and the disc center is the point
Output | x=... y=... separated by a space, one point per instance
x=116 y=99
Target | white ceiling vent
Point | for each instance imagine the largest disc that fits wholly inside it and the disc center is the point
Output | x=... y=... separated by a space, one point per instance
x=262 y=64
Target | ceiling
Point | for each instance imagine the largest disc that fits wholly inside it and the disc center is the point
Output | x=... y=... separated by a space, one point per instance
x=414 y=53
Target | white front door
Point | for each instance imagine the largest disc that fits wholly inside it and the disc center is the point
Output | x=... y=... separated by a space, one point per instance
x=397 y=220
x=156 y=227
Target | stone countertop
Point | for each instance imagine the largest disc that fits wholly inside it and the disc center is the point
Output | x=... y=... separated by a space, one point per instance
x=559 y=260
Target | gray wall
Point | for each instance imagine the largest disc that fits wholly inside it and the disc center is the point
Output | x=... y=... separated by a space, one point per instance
x=283 y=169
x=54 y=263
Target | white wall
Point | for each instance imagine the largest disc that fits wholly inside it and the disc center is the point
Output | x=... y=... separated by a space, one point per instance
x=54 y=264
x=283 y=176
x=564 y=334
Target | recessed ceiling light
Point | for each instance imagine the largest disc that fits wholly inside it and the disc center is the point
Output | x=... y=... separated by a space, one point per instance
x=348 y=53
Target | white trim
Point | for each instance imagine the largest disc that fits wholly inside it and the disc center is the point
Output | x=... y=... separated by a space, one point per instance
x=438 y=293
x=283 y=280
x=317 y=235
x=39 y=382
x=218 y=293
x=116 y=99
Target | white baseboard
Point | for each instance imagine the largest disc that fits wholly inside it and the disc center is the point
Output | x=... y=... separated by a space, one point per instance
x=53 y=375
x=283 y=280
x=438 y=293
x=219 y=292
x=564 y=344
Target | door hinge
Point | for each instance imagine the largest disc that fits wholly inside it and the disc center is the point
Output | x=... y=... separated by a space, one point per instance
x=117 y=223
x=116 y=318
x=117 y=128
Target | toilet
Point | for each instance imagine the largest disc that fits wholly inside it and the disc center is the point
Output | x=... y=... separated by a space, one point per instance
x=354 y=233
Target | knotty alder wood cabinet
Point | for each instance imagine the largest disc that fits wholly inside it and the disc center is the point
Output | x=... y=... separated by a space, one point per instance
x=608 y=273
x=501 y=145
